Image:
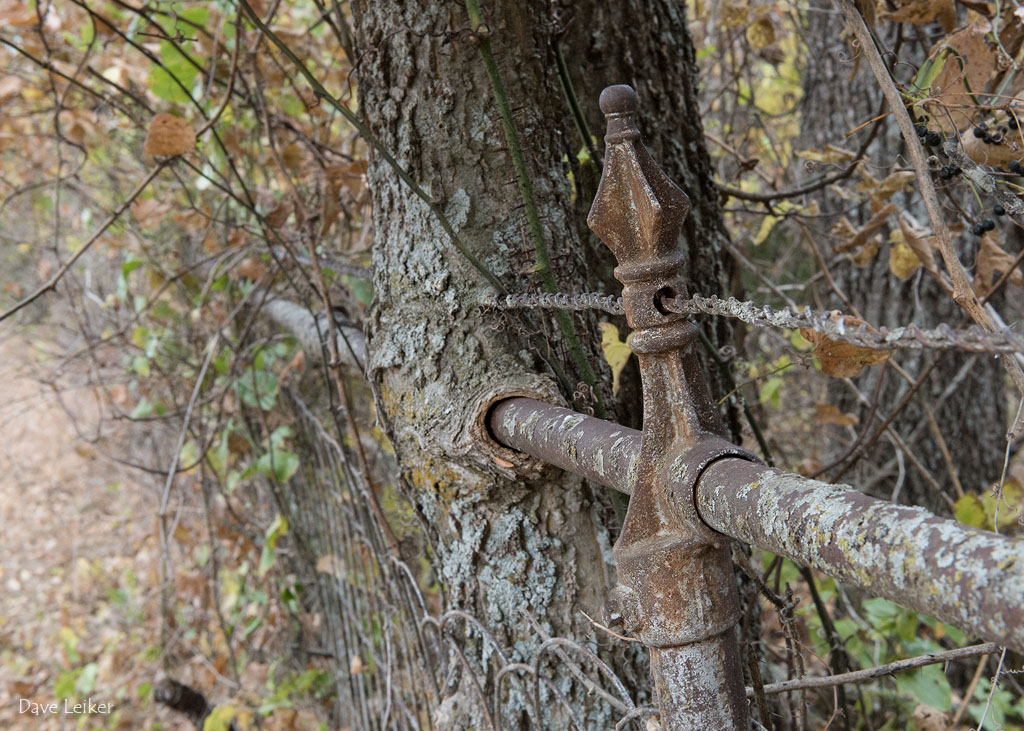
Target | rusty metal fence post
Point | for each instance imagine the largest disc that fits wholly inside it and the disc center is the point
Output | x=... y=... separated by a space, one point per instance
x=692 y=490
x=677 y=589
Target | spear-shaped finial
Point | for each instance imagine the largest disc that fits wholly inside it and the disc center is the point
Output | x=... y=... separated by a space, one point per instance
x=637 y=213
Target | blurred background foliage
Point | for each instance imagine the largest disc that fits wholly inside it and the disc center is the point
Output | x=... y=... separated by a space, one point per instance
x=175 y=156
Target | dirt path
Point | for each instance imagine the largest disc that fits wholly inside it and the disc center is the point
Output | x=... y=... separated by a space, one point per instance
x=79 y=566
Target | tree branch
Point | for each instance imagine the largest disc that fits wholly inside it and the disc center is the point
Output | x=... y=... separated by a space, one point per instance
x=859 y=676
x=963 y=293
x=59 y=274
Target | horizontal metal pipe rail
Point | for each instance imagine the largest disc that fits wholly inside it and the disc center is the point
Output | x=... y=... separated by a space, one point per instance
x=969 y=578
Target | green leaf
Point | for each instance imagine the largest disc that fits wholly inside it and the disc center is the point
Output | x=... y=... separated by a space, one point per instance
x=257 y=389
x=140 y=365
x=267 y=557
x=177 y=75
x=86 y=682
x=890 y=618
x=927 y=685
x=130 y=266
x=361 y=288
x=931 y=68
x=143 y=409
x=998 y=709
x=278 y=465
x=65 y=685
x=769 y=392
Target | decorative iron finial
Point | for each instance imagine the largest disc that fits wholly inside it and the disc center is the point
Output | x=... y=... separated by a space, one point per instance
x=637 y=213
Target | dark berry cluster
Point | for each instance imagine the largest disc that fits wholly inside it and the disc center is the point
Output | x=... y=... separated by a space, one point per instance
x=979 y=229
x=991 y=137
x=999 y=210
x=929 y=138
x=1015 y=167
x=948 y=172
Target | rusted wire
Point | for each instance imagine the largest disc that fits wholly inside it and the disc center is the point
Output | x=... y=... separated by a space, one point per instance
x=831 y=324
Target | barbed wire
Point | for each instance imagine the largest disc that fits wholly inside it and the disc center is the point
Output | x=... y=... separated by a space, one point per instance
x=832 y=324
x=557 y=301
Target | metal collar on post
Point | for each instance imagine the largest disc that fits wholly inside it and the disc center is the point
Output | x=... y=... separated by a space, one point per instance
x=676 y=586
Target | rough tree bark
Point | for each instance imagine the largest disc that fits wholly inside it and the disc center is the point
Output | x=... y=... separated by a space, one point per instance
x=525 y=556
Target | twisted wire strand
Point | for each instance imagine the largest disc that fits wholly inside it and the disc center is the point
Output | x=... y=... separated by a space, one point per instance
x=831 y=324
x=557 y=301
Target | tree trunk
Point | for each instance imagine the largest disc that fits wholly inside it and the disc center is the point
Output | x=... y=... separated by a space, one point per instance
x=525 y=556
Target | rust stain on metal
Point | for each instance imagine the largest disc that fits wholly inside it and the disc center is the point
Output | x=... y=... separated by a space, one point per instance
x=676 y=590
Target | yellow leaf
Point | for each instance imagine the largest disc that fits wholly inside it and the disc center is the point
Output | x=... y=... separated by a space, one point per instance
x=761 y=33
x=219 y=719
x=768 y=223
x=903 y=261
x=1005 y=512
x=616 y=352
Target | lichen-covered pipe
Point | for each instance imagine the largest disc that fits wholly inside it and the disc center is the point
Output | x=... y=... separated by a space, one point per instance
x=969 y=578
x=599 y=450
x=972 y=579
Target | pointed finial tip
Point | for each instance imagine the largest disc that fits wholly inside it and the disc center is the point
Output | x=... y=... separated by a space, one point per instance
x=619 y=99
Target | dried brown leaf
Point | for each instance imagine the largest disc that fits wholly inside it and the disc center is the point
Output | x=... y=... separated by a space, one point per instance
x=867 y=252
x=828 y=154
x=864 y=234
x=293 y=156
x=839 y=359
x=926 y=718
x=277 y=217
x=895 y=183
x=18 y=15
x=992 y=260
x=149 y=212
x=921 y=246
x=169 y=136
x=830 y=414
x=9 y=86
x=250 y=268
x=924 y=11
x=330 y=564
x=969 y=61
